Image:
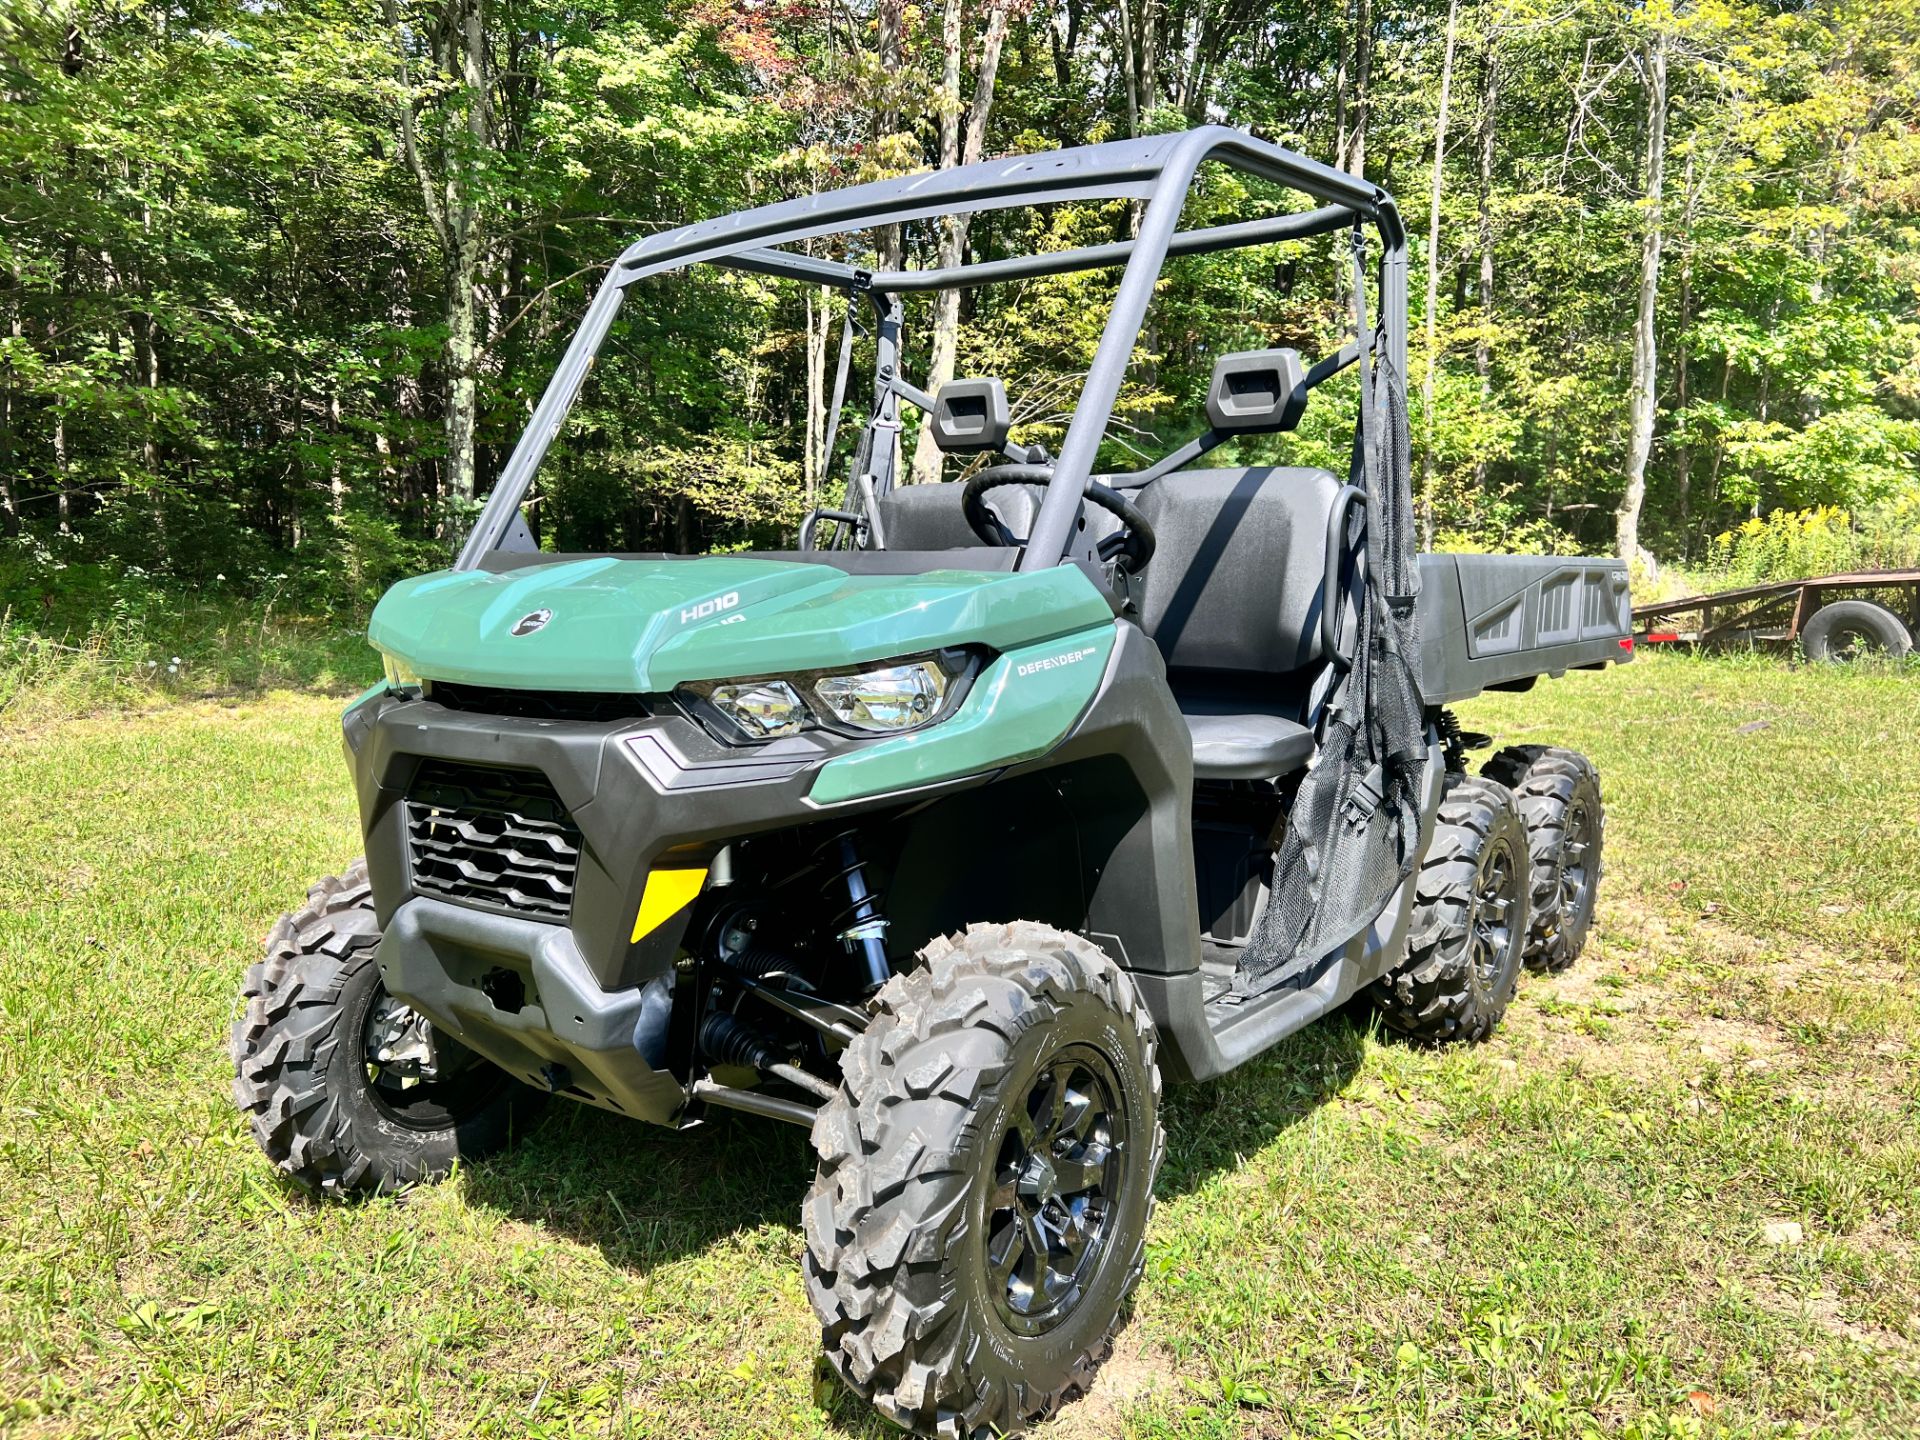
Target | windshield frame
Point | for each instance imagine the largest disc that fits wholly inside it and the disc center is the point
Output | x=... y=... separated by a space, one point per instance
x=1157 y=169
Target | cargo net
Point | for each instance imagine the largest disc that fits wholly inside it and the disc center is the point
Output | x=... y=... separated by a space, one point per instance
x=1354 y=828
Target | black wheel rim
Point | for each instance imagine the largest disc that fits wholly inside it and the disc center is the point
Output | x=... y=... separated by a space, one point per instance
x=1576 y=866
x=1490 y=921
x=1055 y=1183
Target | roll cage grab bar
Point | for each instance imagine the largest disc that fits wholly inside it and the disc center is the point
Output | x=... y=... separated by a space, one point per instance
x=1158 y=169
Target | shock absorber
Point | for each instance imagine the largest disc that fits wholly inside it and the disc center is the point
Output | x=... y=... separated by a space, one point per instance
x=865 y=929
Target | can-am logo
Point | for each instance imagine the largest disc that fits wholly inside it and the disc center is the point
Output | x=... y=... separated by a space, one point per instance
x=1054 y=662
x=533 y=620
x=707 y=609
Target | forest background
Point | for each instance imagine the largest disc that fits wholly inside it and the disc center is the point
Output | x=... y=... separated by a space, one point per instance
x=280 y=282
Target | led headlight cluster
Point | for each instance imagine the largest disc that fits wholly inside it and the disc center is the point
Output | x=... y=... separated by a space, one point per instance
x=887 y=699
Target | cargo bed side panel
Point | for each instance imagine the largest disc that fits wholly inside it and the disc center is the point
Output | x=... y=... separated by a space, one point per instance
x=1499 y=621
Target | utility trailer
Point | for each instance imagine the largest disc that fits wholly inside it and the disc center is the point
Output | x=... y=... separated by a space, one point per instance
x=951 y=832
x=1879 y=614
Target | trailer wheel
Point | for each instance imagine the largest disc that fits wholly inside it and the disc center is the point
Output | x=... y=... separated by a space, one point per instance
x=347 y=1090
x=1850 y=629
x=986 y=1176
x=1469 y=924
x=1558 y=795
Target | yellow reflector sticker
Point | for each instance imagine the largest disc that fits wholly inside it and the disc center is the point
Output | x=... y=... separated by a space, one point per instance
x=668 y=892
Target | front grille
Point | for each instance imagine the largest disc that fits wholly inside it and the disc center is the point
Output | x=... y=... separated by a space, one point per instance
x=493 y=837
x=536 y=704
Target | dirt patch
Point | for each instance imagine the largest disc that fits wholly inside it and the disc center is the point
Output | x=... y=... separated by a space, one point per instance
x=1655 y=997
x=1131 y=1374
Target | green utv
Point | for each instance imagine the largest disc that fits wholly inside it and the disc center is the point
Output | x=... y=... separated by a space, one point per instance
x=951 y=833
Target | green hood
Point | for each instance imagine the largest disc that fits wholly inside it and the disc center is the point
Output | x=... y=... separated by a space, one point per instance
x=647 y=625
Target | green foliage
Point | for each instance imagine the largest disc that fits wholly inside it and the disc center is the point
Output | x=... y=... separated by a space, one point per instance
x=1824 y=540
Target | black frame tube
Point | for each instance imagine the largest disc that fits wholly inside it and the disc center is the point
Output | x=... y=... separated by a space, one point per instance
x=1159 y=169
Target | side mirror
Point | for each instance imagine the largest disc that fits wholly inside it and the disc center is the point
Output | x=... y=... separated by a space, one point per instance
x=971 y=417
x=1256 y=392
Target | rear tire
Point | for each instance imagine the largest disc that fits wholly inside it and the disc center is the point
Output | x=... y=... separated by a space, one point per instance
x=1850 y=629
x=986 y=1176
x=1469 y=923
x=301 y=1066
x=1558 y=795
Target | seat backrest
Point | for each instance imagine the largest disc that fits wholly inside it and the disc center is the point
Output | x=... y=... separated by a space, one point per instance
x=928 y=517
x=1238 y=576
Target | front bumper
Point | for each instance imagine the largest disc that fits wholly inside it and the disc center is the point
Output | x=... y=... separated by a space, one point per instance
x=580 y=1006
x=519 y=993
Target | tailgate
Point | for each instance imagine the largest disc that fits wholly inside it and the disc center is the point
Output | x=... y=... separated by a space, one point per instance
x=1492 y=622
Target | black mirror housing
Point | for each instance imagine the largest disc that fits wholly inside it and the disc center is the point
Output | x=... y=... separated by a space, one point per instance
x=971 y=417
x=1256 y=392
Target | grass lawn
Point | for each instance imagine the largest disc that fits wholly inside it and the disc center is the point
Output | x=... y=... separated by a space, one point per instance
x=1582 y=1227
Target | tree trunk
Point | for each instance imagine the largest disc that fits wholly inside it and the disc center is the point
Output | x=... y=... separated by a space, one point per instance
x=1483 y=345
x=1433 y=276
x=1683 y=456
x=962 y=148
x=1362 y=81
x=462 y=382
x=813 y=463
x=890 y=25
x=1640 y=404
x=452 y=204
x=9 y=501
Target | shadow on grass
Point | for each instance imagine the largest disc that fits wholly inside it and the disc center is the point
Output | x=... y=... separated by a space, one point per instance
x=644 y=1195
x=1214 y=1126
x=647 y=1196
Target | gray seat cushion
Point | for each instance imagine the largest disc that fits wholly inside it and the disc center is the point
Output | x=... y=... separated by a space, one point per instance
x=1245 y=747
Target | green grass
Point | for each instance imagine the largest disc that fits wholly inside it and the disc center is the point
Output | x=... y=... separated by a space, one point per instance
x=1557 y=1233
x=210 y=648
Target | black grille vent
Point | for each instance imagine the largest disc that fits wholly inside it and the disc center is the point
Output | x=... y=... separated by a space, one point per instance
x=499 y=838
x=537 y=704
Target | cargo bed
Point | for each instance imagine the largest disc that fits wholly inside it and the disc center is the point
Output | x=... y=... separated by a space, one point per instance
x=1498 y=622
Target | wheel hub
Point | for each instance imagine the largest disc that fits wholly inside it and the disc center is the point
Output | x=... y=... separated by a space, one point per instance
x=400 y=1048
x=1039 y=1180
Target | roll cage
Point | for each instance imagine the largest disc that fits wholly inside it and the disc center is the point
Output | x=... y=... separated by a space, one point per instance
x=1159 y=170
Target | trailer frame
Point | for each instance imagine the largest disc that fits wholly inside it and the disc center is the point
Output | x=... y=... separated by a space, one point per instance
x=1776 y=613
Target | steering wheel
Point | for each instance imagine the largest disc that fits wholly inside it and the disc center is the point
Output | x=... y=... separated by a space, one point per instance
x=1132 y=544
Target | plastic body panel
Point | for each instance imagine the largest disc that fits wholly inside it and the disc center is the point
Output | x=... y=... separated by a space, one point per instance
x=1488 y=621
x=612 y=624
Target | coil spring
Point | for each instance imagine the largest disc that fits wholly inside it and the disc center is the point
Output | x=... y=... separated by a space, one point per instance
x=844 y=912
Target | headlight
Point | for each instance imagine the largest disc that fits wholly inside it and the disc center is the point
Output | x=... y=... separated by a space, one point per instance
x=763 y=709
x=400 y=675
x=886 y=699
x=894 y=697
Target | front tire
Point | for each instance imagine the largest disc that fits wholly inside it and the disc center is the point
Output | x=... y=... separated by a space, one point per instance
x=1469 y=923
x=985 y=1181
x=329 y=1118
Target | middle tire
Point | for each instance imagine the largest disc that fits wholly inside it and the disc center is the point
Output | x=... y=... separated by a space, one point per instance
x=985 y=1181
x=1469 y=922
